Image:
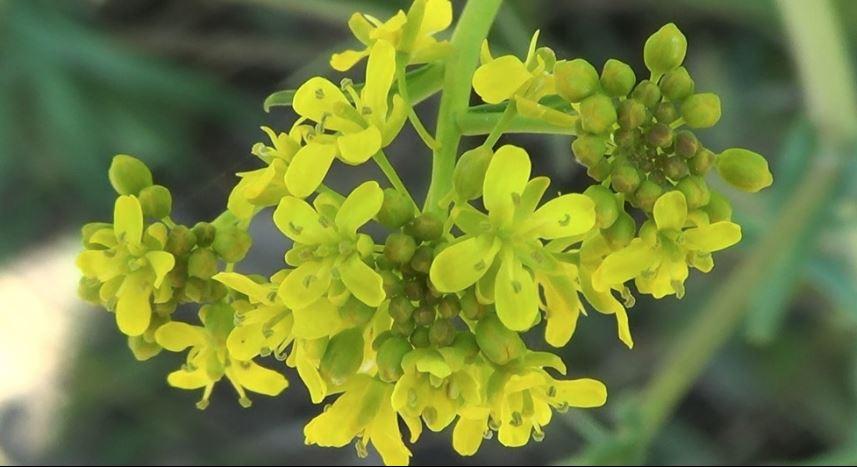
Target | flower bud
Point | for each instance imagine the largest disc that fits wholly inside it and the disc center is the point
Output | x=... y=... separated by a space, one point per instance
x=576 y=79
x=232 y=244
x=181 y=240
x=701 y=110
x=343 y=356
x=718 y=208
x=695 y=191
x=589 y=149
x=421 y=261
x=600 y=171
x=606 y=207
x=660 y=136
x=465 y=343
x=415 y=289
x=202 y=263
x=205 y=233
x=744 y=169
x=420 y=338
x=442 y=333
x=399 y=248
x=426 y=227
x=646 y=195
x=648 y=93
x=424 y=315
x=677 y=84
x=665 y=112
x=396 y=209
x=401 y=309
x=156 y=201
x=597 y=114
x=129 y=175
x=632 y=113
x=621 y=232
x=449 y=307
x=626 y=178
x=355 y=313
x=665 y=49
x=381 y=338
x=392 y=283
x=470 y=307
x=195 y=289
x=686 y=144
x=701 y=162
x=617 y=78
x=627 y=138
x=390 y=356
x=404 y=328
x=675 y=168
x=469 y=174
x=499 y=344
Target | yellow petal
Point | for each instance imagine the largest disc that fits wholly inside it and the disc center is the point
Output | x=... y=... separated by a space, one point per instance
x=499 y=79
x=380 y=71
x=505 y=181
x=671 y=211
x=362 y=281
x=176 y=336
x=312 y=380
x=623 y=265
x=320 y=319
x=565 y=216
x=256 y=292
x=385 y=436
x=304 y=285
x=316 y=97
x=359 y=207
x=134 y=309
x=437 y=17
x=468 y=434
x=308 y=168
x=258 y=379
x=184 y=379
x=357 y=148
x=128 y=220
x=162 y=263
x=246 y=342
x=713 y=237
x=297 y=220
x=516 y=295
x=344 y=61
x=459 y=266
x=582 y=393
x=562 y=310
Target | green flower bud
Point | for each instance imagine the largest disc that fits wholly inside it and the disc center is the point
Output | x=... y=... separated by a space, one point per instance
x=665 y=50
x=396 y=209
x=421 y=262
x=88 y=289
x=420 y=338
x=626 y=178
x=427 y=227
x=677 y=84
x=465 y=342
x=497 y=342
x=449 y=307
x=665 y=112
x=129 y=175
x=606 y=207
x=195 y=290
x=392 y=283
x=626 y=138
x=621 y=232
x=424 y=315
x=589 y=149
x=415 y=289
x=432 y=296
x=215 y=291
x=675 y=168
x=343 y=356
x=356 y=313
x=701 y=162
x=180 y=241
x=632 y=113
x=695 y=191
x=401 y=309
x=576 y=79
x=156 y=201
x=597 y=114
x=389 y=358
x=205 y=233
x=648 y=93
x=381 y=338
x=404 y=328
x=686 y=144
x=202 y=263
x=701 y=110
x=600 y=171
x=399 y=248
x=232 y=244
x=718 y=208
x=470 y=307
x=142 y=349
x=646 y=195
x=469 y=174
x=660 y=136
x=617 y=78
x=744 y=169
x=442 y=333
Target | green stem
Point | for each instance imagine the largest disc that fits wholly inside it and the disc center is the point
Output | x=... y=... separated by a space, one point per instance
x=815 y=42
x=467 y=39
x=384 y=164
x=501 y=125
x=402 y=83
x=482 y=123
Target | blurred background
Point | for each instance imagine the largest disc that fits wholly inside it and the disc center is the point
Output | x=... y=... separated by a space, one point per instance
x=758 y=364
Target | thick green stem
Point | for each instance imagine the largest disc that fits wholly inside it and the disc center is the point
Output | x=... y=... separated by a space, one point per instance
x=826 y=72
x=471 y=30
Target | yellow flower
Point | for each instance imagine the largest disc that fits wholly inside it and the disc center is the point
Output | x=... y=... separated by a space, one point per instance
x=426 y=18
x=659 y=259
x=352 y=131
x=363 y=411
x=130 y=266
x=209 y=359
x=264 y=187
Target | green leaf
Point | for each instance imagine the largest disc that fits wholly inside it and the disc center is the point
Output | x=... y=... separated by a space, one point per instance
x=279 y=99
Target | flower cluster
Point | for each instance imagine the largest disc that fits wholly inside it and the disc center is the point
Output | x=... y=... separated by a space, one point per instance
x=426 y=326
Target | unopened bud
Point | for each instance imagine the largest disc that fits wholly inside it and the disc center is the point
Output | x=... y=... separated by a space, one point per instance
x=718 y=208
x=701 y=110
x=396 y=210
x=129 y=175
x=426 y=227
x=695 y=191
x=597 y=114
x=632 y=113
x=677 y=84
x=621 y=232
x=606 y=207
x=686 y=144
x=576 y=79
x=469 y=175
x=499 y=344
x=626 y=178
x=675 y=168
x=343 y=356
x=442 y=333
x=589 y=149
x=744 y=169
x=202 y=263
x=648 y=93
x=232 y=244
x=646 y=195
x=665 y=49
x=390 y=356
x=617 y=78
x=399 y=248
x=156 y=201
